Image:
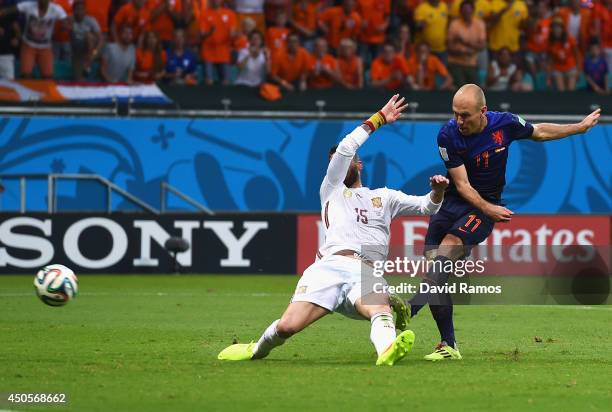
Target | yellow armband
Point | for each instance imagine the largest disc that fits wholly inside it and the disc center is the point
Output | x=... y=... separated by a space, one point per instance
x=375 y=121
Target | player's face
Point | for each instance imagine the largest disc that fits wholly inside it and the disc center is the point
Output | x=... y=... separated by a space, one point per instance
x=468 y=117
x=352 y=176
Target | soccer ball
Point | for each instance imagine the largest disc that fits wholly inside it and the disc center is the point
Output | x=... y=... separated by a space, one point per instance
x=56 y=285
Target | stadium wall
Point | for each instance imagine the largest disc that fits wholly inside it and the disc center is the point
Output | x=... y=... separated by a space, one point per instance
x=265 y=165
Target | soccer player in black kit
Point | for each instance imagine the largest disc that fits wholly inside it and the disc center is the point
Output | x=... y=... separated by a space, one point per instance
x=474 y=147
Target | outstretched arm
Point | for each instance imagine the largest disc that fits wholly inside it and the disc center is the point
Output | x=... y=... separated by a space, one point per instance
x=341 y=160
x=543 y=132
x=429 y=204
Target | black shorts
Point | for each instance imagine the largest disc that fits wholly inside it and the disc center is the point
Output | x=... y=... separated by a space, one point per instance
x=461 y=219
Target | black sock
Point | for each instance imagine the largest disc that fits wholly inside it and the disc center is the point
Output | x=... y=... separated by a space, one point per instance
x=434 y=277
x=443 y=315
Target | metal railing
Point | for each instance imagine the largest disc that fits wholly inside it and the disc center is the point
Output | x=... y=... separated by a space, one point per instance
x=166 y=187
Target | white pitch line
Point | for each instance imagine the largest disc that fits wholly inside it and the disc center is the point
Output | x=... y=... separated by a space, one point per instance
x=160 y=294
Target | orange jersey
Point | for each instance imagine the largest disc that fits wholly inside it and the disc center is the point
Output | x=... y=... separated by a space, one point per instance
x=216 y=48
x=381 y=70
x=145 y=64
x=98 y=9
x=163 y=23
x=340 y=25
x=290 y=67
x=318 y=78
x=276 y=38
x=374 y=13
x=537 y=41
x=432 y=67
x=60 y=34
x=306 y=16
x=138 y=20
x=604 y=15
x=240 y=42
x=349 y=70
x=562 y=54
x=585 y=25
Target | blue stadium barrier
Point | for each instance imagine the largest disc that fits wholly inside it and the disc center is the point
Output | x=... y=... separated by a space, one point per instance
x=248 y=165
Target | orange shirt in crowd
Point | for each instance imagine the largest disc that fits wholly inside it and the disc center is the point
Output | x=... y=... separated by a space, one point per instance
x=60 y=34
x=307 y=16
x=290 y=67
x=340 y=25
x=138 y=20
x=562 y=55
x=145 y=64
x=98 y=9
x=374 y=13
x=276 y=38
x=476 y=32
x=604 y=16
x=163 y=23
x=193 y=29
x=381 y=70
x=217 y=47
x=537 y=41
x=585 y=25
x=432 y=67
x=240 y=42
x=319 y=79
x=349 y=70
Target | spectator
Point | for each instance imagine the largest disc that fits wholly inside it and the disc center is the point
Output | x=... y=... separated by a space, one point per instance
x=505 y=23
x=602 y=13
x=290 y=66
x=182 y=63
x=61 y=34
x=304 y=21
x=388 y=70
x=323 y=67
x=431 y=21
x=504 y=75
x=339 y=22
x=150 y=59
x=273 y=7
x=218 y=25
x=119 y=58
x=596 y=70
x=425 y=68
x=350 y=66
x=403 y=42
x=253 y=62
x=467 y=36
x=190 y=14
x=375 y=22
x=133 y=14
x=241 y=41
x=164 y=14
x=99 y=10
x=563 y=57
x=85 y=40
x=36 y=46
x=538 y=31
x=577 y=21
x=10 y=32
x=253 y=9
x=276 y=35
x=482 y=9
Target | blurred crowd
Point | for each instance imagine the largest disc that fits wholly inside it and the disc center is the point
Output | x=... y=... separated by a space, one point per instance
x=517 y=45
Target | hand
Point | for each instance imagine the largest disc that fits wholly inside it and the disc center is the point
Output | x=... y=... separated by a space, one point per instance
x=590 y=121
x=438 y=183
x=393 y=109
x=498 y=213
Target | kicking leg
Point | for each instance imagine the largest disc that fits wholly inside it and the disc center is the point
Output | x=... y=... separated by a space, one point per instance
x=296 y=317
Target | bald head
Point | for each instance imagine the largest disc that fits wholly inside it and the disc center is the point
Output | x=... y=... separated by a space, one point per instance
x=471 y=94
x=469 y=106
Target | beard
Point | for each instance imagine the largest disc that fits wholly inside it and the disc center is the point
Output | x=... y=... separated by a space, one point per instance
x=351 y=177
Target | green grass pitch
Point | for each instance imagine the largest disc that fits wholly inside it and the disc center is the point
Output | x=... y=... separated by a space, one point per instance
x=149 y=343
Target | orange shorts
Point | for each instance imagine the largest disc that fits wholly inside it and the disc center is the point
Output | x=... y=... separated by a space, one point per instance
x=42 y=57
